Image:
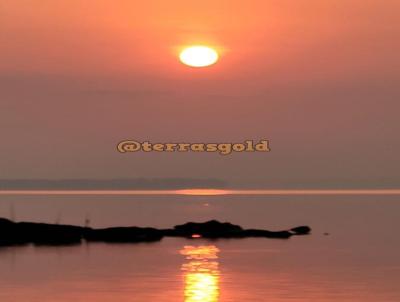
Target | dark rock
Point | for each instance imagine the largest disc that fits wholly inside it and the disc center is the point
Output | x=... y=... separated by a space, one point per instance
x=8 y=233
x=301 y=230
x=124 y=234
x=267 y=234
x=5 y=222
x=12 y=233
x=50 y=234
x=209 y=229
x=216 y=229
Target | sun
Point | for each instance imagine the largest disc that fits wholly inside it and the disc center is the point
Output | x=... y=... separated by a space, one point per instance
x=199 y=56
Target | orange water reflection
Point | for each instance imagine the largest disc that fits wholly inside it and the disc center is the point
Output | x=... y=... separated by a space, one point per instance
x=201 y=273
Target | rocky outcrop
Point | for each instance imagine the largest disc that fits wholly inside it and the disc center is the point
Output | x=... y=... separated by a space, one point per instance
x=16 y=233
x=39 y=233
x=209 y=229
x=301 y=230
x=123 y=234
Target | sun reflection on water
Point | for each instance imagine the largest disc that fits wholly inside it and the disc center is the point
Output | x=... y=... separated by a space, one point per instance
x=201 y=273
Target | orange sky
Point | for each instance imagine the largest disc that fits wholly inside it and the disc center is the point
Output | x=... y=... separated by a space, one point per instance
x=103 y=37
x=312 y=76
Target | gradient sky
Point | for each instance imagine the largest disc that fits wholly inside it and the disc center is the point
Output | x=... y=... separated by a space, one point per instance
x=320 y=79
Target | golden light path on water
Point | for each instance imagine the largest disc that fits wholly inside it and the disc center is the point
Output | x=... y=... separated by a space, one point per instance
x=201 y=273
x=203 y=192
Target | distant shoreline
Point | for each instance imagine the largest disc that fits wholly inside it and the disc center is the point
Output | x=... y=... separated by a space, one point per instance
x=203 y=192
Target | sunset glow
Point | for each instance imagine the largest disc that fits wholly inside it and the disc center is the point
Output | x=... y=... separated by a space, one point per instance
x=201 y=273
x=199 y=151
x=198 y=56
x=202 y=192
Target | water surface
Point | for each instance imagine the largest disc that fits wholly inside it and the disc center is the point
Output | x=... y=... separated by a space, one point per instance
x=352 y=254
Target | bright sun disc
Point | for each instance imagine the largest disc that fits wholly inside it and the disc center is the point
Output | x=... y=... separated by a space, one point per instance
x=198 y=56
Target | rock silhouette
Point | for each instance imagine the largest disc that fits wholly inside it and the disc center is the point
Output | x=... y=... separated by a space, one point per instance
x=301 y=230
x=123 y=234
x=209 y=229
x=12 y=233
x=17 y=233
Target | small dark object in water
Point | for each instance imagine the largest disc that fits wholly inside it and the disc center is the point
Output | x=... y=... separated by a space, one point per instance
x=301 y=230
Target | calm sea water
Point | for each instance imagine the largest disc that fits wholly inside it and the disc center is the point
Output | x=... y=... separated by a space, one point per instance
x=358 y=261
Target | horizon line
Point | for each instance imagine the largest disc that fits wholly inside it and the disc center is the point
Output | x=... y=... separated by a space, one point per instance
x=208 y=192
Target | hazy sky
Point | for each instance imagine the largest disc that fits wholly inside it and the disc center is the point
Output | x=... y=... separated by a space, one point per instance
x=319 y=79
